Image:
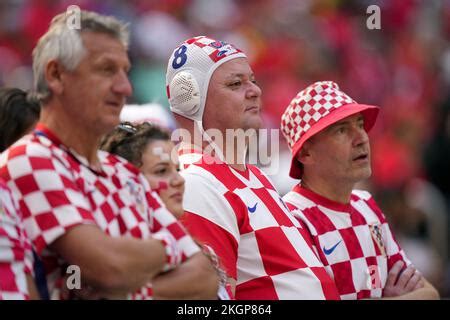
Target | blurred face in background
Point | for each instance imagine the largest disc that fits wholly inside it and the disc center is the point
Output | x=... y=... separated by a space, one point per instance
x=163 y=174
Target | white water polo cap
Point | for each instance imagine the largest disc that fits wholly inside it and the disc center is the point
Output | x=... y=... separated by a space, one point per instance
x=189 y=71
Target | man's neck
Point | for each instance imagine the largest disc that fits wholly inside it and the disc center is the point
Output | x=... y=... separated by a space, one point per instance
x=71 y=134
x=335 y=191
x=234 y=157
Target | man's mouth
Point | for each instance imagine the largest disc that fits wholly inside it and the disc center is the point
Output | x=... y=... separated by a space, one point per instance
x=252 y=108
x=363 y=156
x=116 y=104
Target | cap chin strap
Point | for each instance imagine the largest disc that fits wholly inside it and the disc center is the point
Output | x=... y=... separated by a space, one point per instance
x=218 y=152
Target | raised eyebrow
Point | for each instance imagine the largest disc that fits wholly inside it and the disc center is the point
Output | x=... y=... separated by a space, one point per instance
x=340 y=124
x=347 y=122
x=241 y=75
x=235 y=75
x=106 y=60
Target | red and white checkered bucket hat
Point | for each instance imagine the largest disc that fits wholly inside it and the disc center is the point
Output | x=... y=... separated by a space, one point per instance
x=315 y=108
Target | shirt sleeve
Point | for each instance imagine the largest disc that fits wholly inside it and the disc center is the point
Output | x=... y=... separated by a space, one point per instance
x=52 y=199
x=210 y=218
x=307 y=230
x=15 y=250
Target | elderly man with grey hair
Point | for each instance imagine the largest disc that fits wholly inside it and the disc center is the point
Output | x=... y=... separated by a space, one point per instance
x=91 y=216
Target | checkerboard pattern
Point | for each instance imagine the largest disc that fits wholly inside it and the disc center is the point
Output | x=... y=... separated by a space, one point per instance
x=16 y=257
x=309 y=106
x=242 y=217
x=58 y=190
x=215 y=49
x=353 y=241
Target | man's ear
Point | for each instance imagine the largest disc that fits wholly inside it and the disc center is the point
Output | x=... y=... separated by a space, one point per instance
x=53 y=72
x=305 y=156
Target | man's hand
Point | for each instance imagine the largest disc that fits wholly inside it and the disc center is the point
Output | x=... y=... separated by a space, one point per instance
x=87 y=292
x=399 y=283
x=193 y=279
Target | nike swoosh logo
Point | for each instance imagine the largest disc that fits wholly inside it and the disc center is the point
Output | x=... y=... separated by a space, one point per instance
x=252 y=209
x=329 y=251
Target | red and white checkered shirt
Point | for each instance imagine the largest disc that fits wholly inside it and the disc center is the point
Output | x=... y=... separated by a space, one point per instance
x=16 y=257
x=58 y=190
x=242 y=217
x=353 y=240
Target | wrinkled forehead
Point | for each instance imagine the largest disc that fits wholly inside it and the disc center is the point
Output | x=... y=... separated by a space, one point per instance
x=351 y=118
x=236 y=68
x=347 y=121
x=104 y=46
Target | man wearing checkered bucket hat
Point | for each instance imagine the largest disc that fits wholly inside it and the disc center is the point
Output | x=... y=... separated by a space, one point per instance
x=326 y=131
x=229 y=205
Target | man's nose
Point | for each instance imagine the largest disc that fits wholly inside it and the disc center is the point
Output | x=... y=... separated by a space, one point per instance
x=122 y=85
x=361 y=137
x=254 y=91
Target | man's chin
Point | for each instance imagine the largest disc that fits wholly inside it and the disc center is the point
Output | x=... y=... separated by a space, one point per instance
x=366 y=174
x=255 y=124
x=109 y=125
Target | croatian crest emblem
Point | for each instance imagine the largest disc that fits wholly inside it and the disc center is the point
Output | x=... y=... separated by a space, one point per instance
x=217 y=44
x=377 y=236
x=226 y=50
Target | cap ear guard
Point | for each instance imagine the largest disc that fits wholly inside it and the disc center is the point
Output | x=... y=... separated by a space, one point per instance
x=185 y=95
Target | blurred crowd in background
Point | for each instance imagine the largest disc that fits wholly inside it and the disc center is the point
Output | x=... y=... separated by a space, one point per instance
x=404 y=67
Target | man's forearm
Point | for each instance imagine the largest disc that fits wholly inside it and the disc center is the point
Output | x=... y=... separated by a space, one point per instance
x=126 y=263
x=194 y=279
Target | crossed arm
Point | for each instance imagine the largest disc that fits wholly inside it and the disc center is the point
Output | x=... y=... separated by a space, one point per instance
x=407 y=285
x=114 y=267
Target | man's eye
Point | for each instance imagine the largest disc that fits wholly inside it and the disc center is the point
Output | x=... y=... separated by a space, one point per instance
x=107 y=69
x=235 y=84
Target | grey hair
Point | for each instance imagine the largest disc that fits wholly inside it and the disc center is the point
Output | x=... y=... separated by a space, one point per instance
x=64 y=44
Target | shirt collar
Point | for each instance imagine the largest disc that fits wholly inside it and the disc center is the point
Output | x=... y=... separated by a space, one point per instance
x=42 y=130
x=321 y=200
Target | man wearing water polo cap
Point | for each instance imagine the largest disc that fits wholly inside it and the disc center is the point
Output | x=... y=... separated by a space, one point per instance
x=327 y=133
x=229 y=205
